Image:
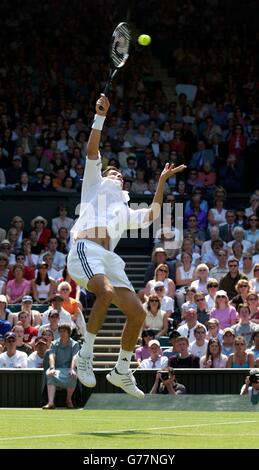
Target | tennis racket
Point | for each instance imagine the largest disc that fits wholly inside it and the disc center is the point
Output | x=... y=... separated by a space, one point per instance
x=119 y=53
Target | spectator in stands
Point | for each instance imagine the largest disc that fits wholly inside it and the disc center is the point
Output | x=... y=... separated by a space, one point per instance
x=75 y=289
x=239 y=236
x=52 y=324
x=255 y=345
x=203 y=312
x=200 y=214
x=184 y=359
x=26 y=306
x=254 y=282
x=64 y=243
x=245 y=327
x=12 y=236
x=231 y=175
x=72 y=306
x=156 y=318
x=173 y=350
x=252 y=233
x=48 y=335
x=30 y=332
x=228 y=281
x=254 y=203
x=184 y=277
x=187 y=328
x=28 y=273
x=17 y=287
x=226 y=230
x=201 y=275
x=228 y=342
x=4 y=262
x=214 y=331
x=213 y=357
x=62 y=220
x=43 y=287
x=253 y=302
x=39 y=224
x=18 y=223
x=223 y=311
x=255 y=253
x=20 y=344
x=155 y=359
x=251 y=385
x=35 y=359
x=193 y=230
x=247 y=263
x=62 y=367
x=159 y=256
x=5 y=313
x=161 y=274
x=36 y=247
x=212 y=286
x=31 y=260
x=57 y=304
x=221 y=268
x=166 y=383
x=12 y=358
x=240 y=359
x=242 y=289
x=199 y=346
x=59 y=259
x=201 y=156
x=142 y=352
x=237 y=141
x=47 y=258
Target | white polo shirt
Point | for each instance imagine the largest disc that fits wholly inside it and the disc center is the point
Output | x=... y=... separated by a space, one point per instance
x=105 y=204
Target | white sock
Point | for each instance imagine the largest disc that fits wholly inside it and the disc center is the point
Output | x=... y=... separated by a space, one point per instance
x=88 y=345
x=123 y=362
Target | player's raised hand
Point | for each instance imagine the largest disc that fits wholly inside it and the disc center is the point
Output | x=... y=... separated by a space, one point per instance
x=102 y=103
x=170 y=170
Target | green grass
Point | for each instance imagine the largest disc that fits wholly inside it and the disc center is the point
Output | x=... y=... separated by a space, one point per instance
x=121 y=429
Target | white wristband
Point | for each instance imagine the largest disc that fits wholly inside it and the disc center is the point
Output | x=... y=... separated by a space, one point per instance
x=98 y=122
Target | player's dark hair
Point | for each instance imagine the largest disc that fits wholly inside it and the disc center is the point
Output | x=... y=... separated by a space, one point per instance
x=109 y=168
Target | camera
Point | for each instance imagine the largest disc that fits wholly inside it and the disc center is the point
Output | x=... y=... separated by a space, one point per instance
x=254 y=379
x=165 y=375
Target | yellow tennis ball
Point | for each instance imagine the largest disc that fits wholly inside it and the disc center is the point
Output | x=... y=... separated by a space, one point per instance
x=144 y=39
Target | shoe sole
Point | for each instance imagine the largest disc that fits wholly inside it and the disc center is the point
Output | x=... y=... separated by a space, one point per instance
x=88 y=385
x=109 y=378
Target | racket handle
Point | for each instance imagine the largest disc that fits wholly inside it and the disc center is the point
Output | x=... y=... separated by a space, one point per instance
x=106 y=92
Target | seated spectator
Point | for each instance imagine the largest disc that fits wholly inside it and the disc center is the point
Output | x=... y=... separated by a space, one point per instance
x=161 y=274
x=214 y=331
x=187 y=328
x=4 y=263
x=213 y=357
x=53 y=322
x=12 y=358
x=5 y=313
x=28 y=273
x=159 y=256
x=39 y=224
x=20 y=344
x=17 y=287
x=189 y=299
x=35 y=359
x=211 y=257
x=156 y=318
x=34 y=315
x=223 y=311
x=255 y=345
x=30 y=332
x=43 y=287
x=231 y=175
x=247 y=265
x=155 y=359
x=75 y=288
x=212 y=286
x=254 y=203
x=59 y=259
x=31 y=260
x=184 y=277
x=228 y=281
x=201 y=275
x=18 y=223
x=62 y=367
x=199 y=346
x=47 y=258
x=252 y=233
x=195 y=210
x=72 y=306
x=221 y=268
x=255 y=253
x=57 y=304
x=243 y=290
x=203 y=313
x=254 y=282
x=184 y=359
x=253 y=303
x=36 y=247
x=48 y=335
x=5 y=326
x=207 y=176
x=239 y=236
x=192 y=229
x=217 y=213
x=166 y=383
x=240 y=359
x=167 y=303
x=142 y=352
x=173 y=350
x=228 y=339
x=245 y=327
x=226 y=230
x=64 y=243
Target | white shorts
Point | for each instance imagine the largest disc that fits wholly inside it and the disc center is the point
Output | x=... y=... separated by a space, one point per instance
x=86 y=258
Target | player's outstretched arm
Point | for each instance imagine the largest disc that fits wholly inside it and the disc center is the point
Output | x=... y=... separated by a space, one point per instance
x=95 y=134
x=168 y=172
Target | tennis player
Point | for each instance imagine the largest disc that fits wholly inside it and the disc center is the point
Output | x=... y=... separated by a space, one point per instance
x=92 y=263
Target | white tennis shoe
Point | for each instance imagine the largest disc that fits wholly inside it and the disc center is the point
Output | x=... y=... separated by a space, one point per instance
x=125 y=381
x=85 y=370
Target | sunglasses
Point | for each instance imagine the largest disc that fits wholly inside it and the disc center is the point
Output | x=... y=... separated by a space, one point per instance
x=200 y=300
x=221 y=296
x=154 y=300
x=163 y=270
x=212 y=285
x=64 y=288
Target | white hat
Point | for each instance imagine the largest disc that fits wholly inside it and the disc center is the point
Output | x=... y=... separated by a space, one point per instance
x=3 y=299
x=126 y=145
x=158 y=284
x=39 y=218
x=153 y=341
x=221 y=293
x=39 y=170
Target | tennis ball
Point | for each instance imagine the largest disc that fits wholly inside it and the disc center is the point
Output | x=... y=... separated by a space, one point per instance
x=144 y=39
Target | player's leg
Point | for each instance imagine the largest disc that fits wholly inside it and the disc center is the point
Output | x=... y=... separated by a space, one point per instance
x=128 y=302
x=103 y=290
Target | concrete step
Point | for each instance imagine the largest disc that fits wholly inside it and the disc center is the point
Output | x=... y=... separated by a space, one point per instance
x=106 y=333
x=110 y=348
x=104 y=340
x=117 y=319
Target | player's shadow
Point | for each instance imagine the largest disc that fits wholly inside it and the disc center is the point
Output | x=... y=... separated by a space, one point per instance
x=112 y=433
